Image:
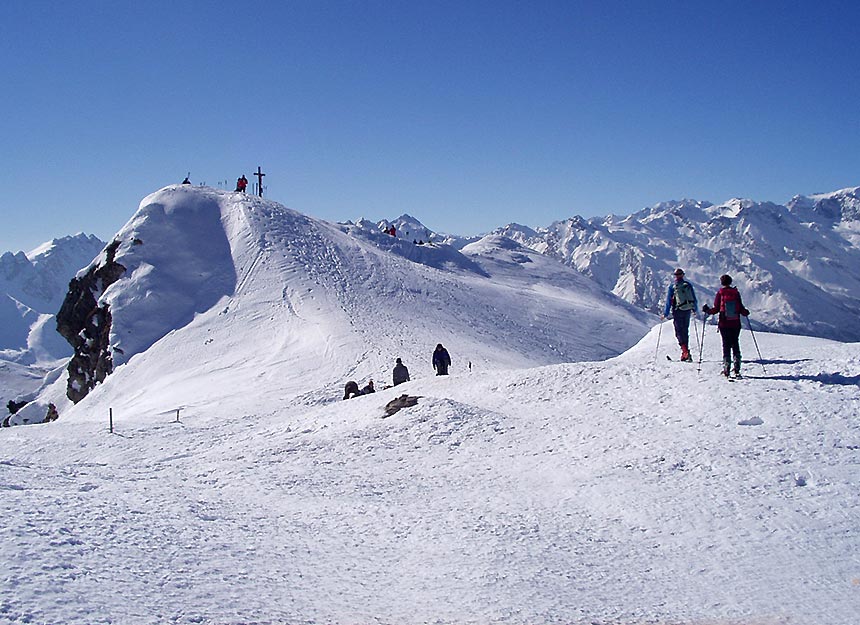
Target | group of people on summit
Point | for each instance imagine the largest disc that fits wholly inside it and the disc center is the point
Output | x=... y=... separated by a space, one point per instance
x=241 y=182
x=681 y=304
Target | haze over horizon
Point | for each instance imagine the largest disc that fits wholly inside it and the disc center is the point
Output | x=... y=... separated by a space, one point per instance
x=467 y=115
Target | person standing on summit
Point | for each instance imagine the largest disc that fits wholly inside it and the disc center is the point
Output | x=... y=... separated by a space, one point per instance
x=681 y=303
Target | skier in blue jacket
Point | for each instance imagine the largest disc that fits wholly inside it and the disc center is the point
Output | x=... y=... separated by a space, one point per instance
x=681 y=303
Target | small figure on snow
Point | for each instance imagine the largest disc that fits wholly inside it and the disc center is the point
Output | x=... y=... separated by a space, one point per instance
x=186 y=181
x=241 y=184
x=52 y=414
x=729 y=307
x=681 y=302
x=441 y=360
x=351 y=389
x=401 y=373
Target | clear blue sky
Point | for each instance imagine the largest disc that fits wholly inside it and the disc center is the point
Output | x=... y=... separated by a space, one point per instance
x=467 y=115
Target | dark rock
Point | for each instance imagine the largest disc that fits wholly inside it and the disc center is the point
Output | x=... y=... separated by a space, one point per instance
x=404 y=401
x=14 y=406
x=86 y=325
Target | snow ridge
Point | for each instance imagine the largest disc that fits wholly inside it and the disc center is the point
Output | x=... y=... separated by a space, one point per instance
x=252 y=284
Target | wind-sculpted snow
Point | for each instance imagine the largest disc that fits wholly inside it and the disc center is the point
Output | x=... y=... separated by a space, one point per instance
x=178 y=263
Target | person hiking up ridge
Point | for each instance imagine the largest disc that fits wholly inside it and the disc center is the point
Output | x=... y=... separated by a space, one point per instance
x=681 y=303
x=730 y=308
x=441 y=360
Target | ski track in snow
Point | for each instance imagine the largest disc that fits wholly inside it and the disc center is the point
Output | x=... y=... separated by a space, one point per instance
x=614 y=492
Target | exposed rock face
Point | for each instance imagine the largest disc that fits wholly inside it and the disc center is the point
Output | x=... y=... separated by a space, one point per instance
x=86 y=325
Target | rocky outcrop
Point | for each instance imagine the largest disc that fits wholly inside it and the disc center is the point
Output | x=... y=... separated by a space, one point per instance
x=404 y=401
x=86 y=325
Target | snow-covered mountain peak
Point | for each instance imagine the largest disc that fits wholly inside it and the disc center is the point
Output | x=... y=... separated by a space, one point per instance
x=32 y=287
x=77 y=244
x=842 y=205
x=211 y=275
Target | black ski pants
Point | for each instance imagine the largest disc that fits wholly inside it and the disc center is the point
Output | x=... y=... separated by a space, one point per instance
x=731 y=345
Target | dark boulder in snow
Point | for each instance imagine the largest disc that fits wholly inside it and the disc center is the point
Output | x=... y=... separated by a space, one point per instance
x=86 y=324
x=404 y=401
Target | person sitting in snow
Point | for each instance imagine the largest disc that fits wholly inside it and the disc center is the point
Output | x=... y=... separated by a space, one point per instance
x=730 y=308
x=401 y=373
x=367 y=390
x=351 y=390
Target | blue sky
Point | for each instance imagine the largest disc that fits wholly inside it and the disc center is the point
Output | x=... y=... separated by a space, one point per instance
x=466 y=115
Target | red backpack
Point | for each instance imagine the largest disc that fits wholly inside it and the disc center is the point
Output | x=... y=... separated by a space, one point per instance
x=730 y=304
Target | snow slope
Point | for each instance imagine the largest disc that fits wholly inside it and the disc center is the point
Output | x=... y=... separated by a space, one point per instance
x=219 y=282
x=628 y=491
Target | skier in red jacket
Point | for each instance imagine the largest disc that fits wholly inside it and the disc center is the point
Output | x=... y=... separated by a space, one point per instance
x=729 y=307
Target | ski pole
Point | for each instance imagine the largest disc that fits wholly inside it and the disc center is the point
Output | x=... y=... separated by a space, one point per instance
x=702 y=344
x=758 y=351
x=659 y=332
x=696 y=328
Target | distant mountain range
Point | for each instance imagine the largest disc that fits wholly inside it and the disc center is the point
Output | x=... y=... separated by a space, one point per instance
x=32 y=288
x=797 y=266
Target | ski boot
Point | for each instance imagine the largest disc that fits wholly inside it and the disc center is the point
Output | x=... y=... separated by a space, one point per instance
x=685 y=354
x=726 y=366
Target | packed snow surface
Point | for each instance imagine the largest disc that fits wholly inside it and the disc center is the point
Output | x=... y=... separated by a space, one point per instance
x=633 y=490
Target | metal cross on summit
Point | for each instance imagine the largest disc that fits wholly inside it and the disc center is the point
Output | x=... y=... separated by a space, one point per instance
x=259 y=175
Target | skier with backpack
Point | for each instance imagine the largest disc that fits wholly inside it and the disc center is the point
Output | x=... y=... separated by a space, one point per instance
x=730 y=308
x=681 y=303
